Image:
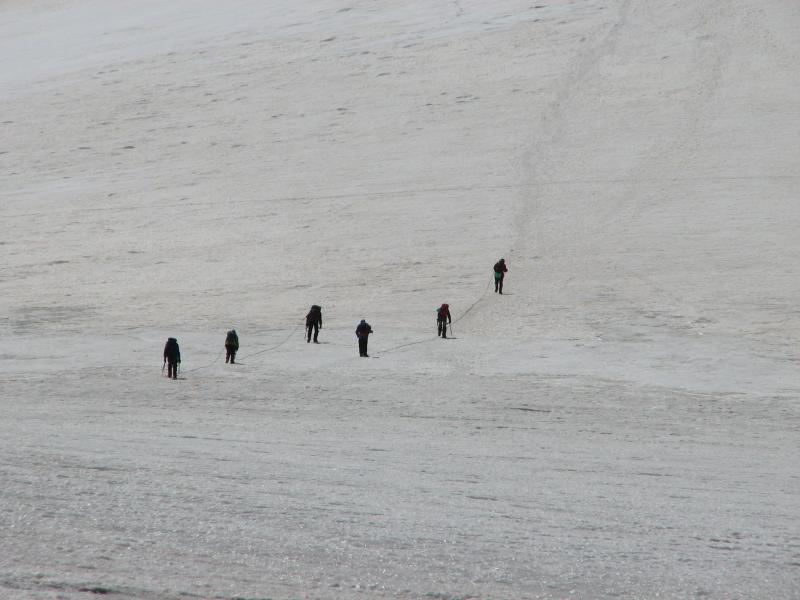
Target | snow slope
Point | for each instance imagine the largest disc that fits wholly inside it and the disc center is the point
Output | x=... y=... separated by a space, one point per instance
x=622 y=423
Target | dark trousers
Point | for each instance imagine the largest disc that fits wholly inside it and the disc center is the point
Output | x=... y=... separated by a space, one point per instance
x=362 y=346
x=498 y=284
x=230 y=354
x=442 y=328
x=172 y=370
x=312 y=327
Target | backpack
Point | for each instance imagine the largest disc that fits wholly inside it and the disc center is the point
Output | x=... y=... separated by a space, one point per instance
x=172 y=350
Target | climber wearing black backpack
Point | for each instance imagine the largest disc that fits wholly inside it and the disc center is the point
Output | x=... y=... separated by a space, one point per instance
x=172 y=357
x=313 y=322
x=231 y=346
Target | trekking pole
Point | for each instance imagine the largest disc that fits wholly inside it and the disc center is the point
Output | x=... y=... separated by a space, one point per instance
x=164 y=365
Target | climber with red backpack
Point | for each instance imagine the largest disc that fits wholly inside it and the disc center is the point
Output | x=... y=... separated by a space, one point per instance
x=442 y=319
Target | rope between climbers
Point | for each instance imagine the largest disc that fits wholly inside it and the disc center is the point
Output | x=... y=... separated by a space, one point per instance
x=208 y=365
x=275 y=347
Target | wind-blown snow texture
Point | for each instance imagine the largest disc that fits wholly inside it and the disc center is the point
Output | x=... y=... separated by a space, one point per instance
x=622 y=424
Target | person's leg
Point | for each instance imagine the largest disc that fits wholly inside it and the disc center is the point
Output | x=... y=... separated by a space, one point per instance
x=233 y=356
x=227 y=353
x=316 y=332
x=308 y=332
x=362 y=346
x=170 y=369
x=444 y=329
x=501 y=284
x=496 y=284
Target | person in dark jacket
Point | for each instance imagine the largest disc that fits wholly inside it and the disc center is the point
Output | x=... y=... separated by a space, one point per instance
x=362 y=333
x=313 y=322
x=231 y=346
x=172 y=357
x=500 y=271
x=442 y=319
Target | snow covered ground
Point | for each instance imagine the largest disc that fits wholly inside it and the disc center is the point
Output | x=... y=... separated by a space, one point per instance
x=623 y=423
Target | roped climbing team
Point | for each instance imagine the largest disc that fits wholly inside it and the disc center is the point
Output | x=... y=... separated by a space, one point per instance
x=172 y=353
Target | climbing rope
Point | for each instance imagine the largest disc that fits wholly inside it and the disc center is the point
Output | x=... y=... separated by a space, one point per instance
x=276 y=346
x=208 y=365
